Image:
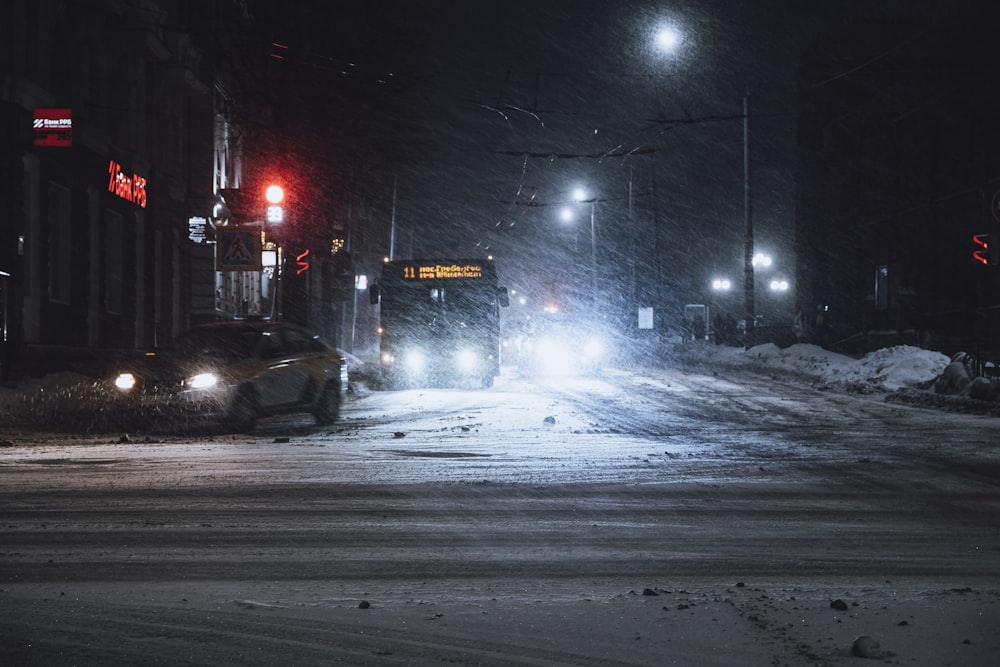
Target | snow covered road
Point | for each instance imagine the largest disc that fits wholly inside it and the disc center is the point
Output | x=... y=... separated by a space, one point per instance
x=635 y=518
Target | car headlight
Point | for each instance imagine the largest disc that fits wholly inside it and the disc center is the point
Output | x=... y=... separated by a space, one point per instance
x=554 y=356
x=202 y=381
x=415 y=361
x=125 y=382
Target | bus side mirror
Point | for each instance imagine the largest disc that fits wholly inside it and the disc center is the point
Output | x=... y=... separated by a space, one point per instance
x=503 y=297
x=373 y=294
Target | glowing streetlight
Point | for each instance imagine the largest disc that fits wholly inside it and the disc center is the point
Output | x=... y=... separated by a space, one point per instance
x=667 y=38
x=779 y=285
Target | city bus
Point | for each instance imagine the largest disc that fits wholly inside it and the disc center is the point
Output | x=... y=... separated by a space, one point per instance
x=439 y=321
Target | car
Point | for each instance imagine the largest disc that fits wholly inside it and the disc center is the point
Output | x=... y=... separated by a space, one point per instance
x=558 y=345
x=236 y=372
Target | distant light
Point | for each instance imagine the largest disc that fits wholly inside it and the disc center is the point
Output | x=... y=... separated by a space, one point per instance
x=269 y=258
x=579 y=194
x=721 y=284
x=566 y=214
x=522 y=301
x=466 y=360
x=275 y=214
x=779 y=285
x=762 y=260
x=361 y=282
x=415 y=361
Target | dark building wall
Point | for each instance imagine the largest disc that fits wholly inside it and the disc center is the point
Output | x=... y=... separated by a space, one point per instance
x=899 y=155
x=92 y=271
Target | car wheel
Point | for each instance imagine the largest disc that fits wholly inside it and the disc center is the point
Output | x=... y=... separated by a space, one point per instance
x=328 y=405
x=243 y=412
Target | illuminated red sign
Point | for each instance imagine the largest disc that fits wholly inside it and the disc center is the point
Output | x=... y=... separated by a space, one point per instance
x=130 y=188
x=53 y=127
x=303 y=262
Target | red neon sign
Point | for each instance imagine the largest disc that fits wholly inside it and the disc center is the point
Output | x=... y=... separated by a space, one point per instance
x=302 y=262
x=983 y=241
x=130 y=188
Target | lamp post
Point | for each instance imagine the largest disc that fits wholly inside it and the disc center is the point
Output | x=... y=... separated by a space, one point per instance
x=580 y=195
x=748 y=277
x=719 y=326
x=667 y=39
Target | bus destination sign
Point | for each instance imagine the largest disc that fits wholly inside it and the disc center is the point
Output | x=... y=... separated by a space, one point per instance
x=441 y=271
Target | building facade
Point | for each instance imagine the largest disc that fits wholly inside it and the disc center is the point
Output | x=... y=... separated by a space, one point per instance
x=899 y=168
x=113 y=138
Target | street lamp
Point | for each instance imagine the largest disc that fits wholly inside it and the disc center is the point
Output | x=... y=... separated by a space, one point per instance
x=667 y=38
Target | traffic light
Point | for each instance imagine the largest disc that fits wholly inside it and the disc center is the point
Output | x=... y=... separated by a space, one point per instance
x=275 y=196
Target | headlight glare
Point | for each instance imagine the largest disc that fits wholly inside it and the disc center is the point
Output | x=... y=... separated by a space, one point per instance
x=125 y=381
x=202 y=381
x=466 y=360
x=415 y=361
x=593 y=348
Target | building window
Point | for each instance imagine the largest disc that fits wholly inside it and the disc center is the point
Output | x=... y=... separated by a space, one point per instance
x=60 y=245
x=113 y=264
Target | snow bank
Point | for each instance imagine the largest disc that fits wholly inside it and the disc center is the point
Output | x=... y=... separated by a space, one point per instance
x=888 y=369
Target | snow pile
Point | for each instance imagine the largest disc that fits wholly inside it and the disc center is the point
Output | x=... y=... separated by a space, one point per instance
x=901 y=366
x=888 y=369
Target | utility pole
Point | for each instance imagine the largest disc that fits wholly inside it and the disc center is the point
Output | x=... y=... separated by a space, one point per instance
x=748 y=275
x=392 y=224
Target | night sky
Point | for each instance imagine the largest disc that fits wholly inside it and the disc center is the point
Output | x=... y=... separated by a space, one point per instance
x=485 y=116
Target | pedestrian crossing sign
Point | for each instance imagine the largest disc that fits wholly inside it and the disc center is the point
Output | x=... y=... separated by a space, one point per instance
x=237 y=249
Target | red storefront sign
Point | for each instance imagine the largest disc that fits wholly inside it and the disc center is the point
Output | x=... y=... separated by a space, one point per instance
x=53 y=127
x=130 y=187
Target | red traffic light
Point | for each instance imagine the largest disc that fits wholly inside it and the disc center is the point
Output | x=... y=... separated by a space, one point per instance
x=274 y=194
